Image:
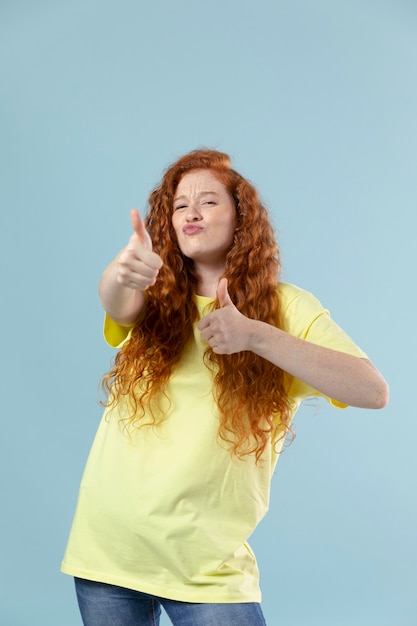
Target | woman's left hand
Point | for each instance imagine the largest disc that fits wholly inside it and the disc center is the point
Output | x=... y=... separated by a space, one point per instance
x=226 y=330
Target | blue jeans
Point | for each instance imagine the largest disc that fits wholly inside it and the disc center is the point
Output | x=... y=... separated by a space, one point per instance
x=107 y=605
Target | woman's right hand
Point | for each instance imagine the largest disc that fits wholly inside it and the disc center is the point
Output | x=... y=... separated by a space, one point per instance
x=137 y=265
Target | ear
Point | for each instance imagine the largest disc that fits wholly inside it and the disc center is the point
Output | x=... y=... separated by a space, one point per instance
x=223 y=294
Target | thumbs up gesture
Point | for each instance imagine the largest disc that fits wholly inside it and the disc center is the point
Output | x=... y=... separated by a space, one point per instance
x=226 y=330
x=138 y=265
x=139 y=229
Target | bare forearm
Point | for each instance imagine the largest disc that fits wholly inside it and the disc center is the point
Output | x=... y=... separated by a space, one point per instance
x=345 y=378
x=122 y=303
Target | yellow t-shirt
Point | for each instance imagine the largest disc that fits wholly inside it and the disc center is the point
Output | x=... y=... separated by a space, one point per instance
x=167 y=510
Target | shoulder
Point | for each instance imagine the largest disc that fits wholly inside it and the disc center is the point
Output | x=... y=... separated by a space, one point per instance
x=304 y=316
x=300 y=309
x=294 y=298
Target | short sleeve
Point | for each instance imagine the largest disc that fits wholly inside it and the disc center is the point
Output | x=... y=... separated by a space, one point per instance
x=115 y=334
x=306 y=318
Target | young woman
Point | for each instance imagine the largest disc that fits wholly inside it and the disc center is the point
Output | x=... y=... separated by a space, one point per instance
x=215 y=356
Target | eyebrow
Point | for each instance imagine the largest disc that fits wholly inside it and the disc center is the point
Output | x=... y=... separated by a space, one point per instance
x=202 y=193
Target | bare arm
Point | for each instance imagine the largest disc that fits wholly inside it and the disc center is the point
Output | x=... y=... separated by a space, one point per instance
x=127 y=277
x=345 y=378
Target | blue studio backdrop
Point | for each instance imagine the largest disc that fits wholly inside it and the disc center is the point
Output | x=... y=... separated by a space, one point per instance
x=316 y=103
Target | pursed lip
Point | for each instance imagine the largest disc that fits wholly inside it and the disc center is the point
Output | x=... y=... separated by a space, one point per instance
x=192 y=229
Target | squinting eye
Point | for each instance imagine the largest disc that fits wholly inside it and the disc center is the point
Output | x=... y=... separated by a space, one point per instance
x=180 y=206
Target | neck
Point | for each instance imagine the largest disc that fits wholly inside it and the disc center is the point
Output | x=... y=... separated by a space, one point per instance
x=208 y=280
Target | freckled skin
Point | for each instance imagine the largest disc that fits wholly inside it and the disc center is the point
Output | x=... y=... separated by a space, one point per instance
x=203 y=202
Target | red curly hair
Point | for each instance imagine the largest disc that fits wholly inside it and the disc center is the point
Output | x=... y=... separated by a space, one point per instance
x=251 y=392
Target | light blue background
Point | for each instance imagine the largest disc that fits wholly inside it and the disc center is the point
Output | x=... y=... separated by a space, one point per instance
x=316 y=102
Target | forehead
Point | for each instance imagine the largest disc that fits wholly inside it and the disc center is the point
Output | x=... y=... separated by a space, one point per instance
x=199 y=180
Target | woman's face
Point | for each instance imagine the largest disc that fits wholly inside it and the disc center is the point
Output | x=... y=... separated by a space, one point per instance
x=204 y=218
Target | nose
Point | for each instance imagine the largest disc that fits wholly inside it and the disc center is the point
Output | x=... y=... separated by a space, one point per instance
x=193 y=213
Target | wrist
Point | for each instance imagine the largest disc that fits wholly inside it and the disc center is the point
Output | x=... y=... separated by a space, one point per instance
x=262 y=335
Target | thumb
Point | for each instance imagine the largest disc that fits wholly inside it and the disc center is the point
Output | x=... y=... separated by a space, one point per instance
x=223 y=294
x=139 y=228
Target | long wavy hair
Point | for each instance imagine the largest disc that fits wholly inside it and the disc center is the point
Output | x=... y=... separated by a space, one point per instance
x=251 y=392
